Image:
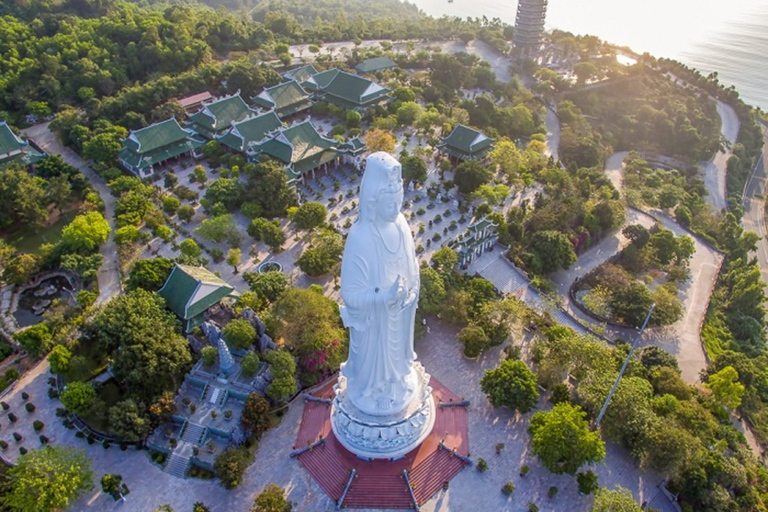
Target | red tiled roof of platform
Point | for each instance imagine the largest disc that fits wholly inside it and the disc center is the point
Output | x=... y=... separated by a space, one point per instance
x=195 y=100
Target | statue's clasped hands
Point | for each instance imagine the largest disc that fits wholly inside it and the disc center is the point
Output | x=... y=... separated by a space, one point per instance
x=398 y=294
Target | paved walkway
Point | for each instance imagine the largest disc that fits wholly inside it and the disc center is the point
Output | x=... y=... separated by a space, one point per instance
x=109 y=274
x=715 y=169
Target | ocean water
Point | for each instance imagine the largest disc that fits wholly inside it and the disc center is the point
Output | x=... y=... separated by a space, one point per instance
x=711 y=35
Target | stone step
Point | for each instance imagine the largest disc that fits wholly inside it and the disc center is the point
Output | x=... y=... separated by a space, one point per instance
x=213 y=396
x=193 y=433
x=177 y=465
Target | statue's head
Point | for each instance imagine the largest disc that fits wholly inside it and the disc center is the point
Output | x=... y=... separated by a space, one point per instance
x=381 y=190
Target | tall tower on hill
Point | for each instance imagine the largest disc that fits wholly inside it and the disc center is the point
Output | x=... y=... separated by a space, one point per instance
x=529 y=24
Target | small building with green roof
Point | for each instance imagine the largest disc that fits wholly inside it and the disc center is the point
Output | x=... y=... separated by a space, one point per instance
x=218 y=115
x=347 y=91
x=301 y=74
x=302 y=149
x=15 y=150
x=190 y=291
x=465 y=143
x=155 y=145
x=479 y=237
x=243 y=135
x=375 y=64
x=286 y=99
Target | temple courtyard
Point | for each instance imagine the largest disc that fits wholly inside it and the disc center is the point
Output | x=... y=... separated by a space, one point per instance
x=442 y=356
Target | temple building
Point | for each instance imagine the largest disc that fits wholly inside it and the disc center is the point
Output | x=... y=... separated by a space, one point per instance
x=216 y=116
x=15 y=150
x=465 y=143
x=286 y=99
x=195 y=102
x=529 y=24
x=301 y=74
x=375 y=65
x=191 y=291
x=155 y=145
x=244 y=135
x=347 y=91
x=479 y=237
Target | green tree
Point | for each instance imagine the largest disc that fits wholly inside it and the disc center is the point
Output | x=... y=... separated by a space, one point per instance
x=269 y=285
x=255 y=416
x=113 y=485
x=408 y=113
x=185 y=212
x=234 y=257
x=507 y=158
x=86 y=232
x=615 y=500
x=584 y=71
x=283 y=369
x=78 y=397
x=199 y=175
x=47 y=479
x=470 y=174
x=227 y=191
x=268 y=186
x=561 y=439
x=104 y=147
x=59 y=359
x=23 y=197
x=380 y=140
x=272 y=499
x=324 y=254
x=310 y=215
x=632 y=303
x=189 y=248
x=553 y=250
x=474 y=340
x=230 y=465
x=37 y=340
x=445 y=261
x=150 y=274
x=128 y=419
x=353 y=119
x=20 y=268
x=239 y=334
x=512 y=384
x=432 y=293
x=414 y=169
x=199 y=507
x=726 y=388
x=272 y=235
x=171 y=205
x=219 y=229
x=250 y=363
x=209 y=355
x=59 y=191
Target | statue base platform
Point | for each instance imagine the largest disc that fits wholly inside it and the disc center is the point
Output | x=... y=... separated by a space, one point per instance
x=352 y=482
x=384 y=436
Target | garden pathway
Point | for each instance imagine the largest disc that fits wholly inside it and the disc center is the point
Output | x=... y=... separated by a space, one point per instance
x=109 y=274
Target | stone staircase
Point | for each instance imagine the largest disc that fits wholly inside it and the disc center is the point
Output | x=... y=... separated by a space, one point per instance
x=177 y=465
x=193 y=433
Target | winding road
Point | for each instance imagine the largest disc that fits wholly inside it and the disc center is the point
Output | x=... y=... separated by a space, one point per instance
x=109 y=274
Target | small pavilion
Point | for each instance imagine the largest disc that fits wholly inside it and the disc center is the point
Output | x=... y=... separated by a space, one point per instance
x=155 y=145
x=15 y=150
x=286 y=99
x=243 y=135
x=190 y=291
x=479 y=237
x=218 y=115
x=375 y=65
x=465 y=143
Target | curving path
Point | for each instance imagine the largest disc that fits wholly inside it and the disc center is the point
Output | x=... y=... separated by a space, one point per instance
x=715 y=169
x=109 y=274
x=754 y=207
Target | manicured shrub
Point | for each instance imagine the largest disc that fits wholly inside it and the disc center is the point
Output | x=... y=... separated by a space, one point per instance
x=3 y=445
x=106 y=444
x=43 y=440
x=552 y=492
x=79 y=434
x=532 y=507
x=18 y=437
x=123 y=447
x=29 y=406
x=12 y=417
x=5 y=406
x=508 y=488
x=53 y=393
x=90 y=439
x=22 y=450
x=24 y=395
x=482 y=465
x=38 y=425
x=524 y=470
x=61 y=412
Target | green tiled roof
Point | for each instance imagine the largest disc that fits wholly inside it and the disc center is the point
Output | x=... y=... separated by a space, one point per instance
x=322 y=79
x=300 y=147
x=301 y=74
x=351 y=91
x=156 y=136
x=8 y=140
x=286 y=98
x=144 y=161
x=353 y=146
x=189 y=291
x=466 y=142
x=250 y=131
x=375 y=64
x=221 y=113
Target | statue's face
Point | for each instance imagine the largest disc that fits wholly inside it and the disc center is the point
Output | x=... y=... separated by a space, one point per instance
x=388 y=206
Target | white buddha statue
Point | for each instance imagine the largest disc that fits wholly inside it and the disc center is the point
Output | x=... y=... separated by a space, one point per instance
x=380 y=288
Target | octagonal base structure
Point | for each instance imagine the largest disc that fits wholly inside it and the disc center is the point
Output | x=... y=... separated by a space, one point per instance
x=380 y=483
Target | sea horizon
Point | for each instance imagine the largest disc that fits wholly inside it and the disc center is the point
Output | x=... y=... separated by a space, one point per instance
x=730 y=39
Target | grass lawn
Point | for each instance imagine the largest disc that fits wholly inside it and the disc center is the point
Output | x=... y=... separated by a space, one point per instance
x=29 y=241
